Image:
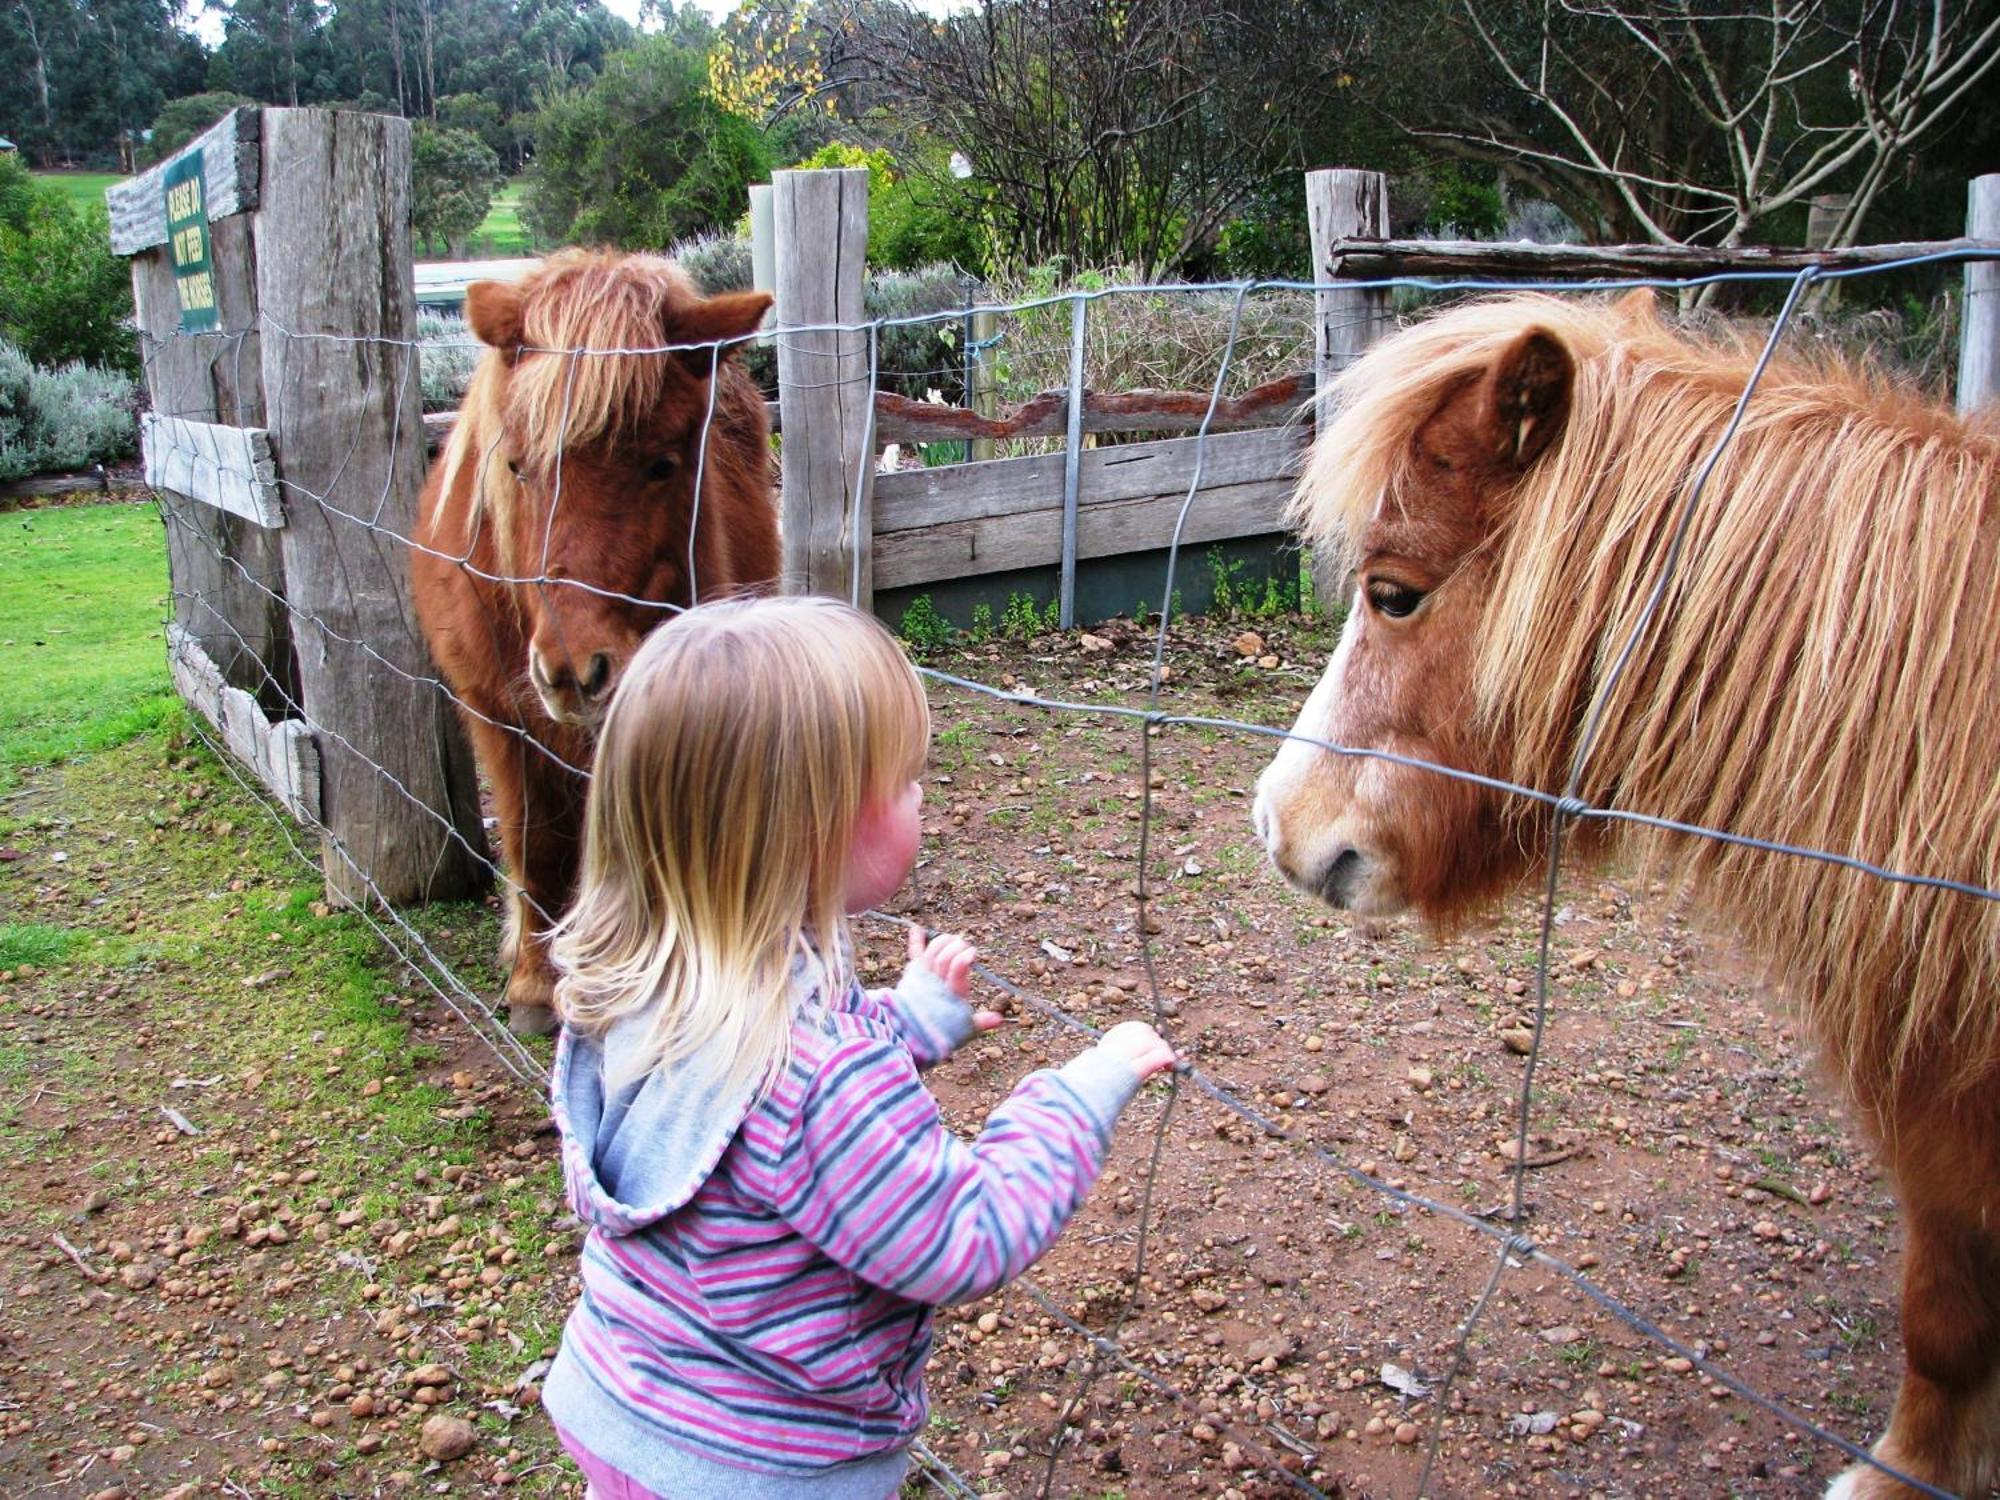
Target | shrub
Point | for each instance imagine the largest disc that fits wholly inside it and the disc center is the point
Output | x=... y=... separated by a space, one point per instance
x=63 y=295
x=63 y=418
x=446 y=353
x=923 y=627
x=717 y=262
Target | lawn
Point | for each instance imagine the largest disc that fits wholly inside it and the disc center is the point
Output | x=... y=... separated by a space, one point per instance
x=502 y=234
x=85 y=189
x=82 y=664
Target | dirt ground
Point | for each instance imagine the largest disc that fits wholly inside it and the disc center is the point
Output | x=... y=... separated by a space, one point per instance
x=268 y=1213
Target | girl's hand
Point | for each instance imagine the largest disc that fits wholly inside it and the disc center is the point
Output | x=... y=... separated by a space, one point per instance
x=950 y=957
x=1139 y=1047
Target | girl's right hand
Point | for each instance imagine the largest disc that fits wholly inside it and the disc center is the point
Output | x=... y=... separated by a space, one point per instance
x=1139 y=1047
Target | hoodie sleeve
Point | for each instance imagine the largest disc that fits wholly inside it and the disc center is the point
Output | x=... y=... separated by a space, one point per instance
x=876 y=1181
x=928 y=1014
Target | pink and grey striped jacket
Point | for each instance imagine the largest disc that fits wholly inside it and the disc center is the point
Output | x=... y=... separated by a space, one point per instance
x=759 y=1274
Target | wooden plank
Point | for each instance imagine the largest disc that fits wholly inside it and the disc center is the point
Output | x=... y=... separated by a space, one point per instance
x=1979 y=332
x=282 y=755
x=229 y=468
x=1029 y=539
x=917 y=498
x=399 y=799
x=826 y=458
x=230 y=163
x=898 y=419
x=1520 y=261
x=228 y=574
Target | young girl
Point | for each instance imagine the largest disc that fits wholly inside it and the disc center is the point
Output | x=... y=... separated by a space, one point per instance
x=774 y=1205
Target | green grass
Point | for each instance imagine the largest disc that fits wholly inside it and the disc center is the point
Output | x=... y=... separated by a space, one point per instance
x=501 y=233
x=35 y=943
x=85 y=189
x=82 y=664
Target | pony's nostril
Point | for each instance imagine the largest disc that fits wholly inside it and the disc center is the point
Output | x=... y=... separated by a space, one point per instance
x=538 y=671
x=597 y=676
x=1337 y=883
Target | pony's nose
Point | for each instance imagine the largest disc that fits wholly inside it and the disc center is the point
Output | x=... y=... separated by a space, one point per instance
x=557 y=676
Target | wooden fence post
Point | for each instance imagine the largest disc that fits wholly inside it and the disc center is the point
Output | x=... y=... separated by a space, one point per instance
x=826 y=460
x=1979 y=330
x=228 y=575
x=341 y=389
x=983 y=394
x=1342 y=204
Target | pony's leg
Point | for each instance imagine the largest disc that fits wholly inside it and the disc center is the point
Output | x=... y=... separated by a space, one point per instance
x=1946 y=1426
x=520 y=805
x=549 y=836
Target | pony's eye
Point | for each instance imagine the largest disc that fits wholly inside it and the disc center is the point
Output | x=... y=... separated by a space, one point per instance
x=660 y=470
x=1393 y=599
x=514 y=467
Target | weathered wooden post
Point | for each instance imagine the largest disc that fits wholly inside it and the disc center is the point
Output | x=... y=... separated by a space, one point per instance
x=826 y=460
x=1342 y=204
x=983 y=389
x=1979 y=331
x=205 y=396
x=400 y=814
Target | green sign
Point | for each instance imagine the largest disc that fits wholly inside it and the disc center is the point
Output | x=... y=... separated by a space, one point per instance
x=187 y=242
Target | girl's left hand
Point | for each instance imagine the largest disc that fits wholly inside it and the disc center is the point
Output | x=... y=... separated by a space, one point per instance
x=950 y=957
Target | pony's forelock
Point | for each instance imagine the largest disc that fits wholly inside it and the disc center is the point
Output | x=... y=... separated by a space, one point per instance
x=563 y=388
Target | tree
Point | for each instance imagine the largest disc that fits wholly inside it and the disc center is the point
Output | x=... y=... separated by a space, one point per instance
x=643 y=155
x=87 y=76
x=1105 y=132
x=1692 y=120
x=63 y=295
x=452 y=177
x=181 y=120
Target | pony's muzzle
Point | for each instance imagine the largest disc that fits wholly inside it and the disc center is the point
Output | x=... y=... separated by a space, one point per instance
x=570 y=695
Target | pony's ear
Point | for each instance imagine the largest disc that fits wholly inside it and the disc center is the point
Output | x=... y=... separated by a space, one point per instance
x=729 y=315
x=493 y=308
x=1638 y=308
x=1527 y=397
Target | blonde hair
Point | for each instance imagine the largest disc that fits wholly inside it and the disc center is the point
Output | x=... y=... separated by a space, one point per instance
x=741 y=745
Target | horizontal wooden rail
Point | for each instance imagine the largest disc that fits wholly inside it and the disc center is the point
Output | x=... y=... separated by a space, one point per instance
x=898 y=419
x=231 y=161
x=229 y=468
x=1519 y=261
x=968 y=519
x=284 y=756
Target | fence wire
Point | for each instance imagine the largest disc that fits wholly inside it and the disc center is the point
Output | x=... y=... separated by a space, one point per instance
x=1293 y=1460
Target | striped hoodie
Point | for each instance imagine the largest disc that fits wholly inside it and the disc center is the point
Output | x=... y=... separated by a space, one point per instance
x=759 y=1274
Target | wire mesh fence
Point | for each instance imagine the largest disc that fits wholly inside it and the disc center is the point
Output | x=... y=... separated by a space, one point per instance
x=1277 y=1446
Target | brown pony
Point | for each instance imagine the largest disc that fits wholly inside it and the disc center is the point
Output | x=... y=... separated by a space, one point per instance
x=553 y=534
x=1821 y=672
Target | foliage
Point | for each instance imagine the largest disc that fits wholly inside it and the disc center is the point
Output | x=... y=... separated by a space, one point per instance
x=83 y=80
x=446 y=354
x=181 y=120
x=453 y=175
x=1023 y=618
x=717 y=262
x=923 y=627
x=913 y=220
x=63 y=295
x=1235 y=596
x=1103 y=132
x=764 y=60
x=643 y=155
x=62 y=418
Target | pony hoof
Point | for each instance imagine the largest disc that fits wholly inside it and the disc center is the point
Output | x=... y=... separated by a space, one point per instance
x=530 y=1020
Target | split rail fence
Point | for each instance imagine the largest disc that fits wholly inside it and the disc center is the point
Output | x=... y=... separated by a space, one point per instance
x=287 y=446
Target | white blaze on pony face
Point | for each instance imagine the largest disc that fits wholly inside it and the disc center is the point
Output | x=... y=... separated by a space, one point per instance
x=1312 y=809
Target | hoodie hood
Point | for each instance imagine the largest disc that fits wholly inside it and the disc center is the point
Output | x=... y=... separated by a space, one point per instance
x=634 y=1155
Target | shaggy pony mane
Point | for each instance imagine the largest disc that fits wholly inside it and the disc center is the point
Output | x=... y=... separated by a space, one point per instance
x=1822 y=670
